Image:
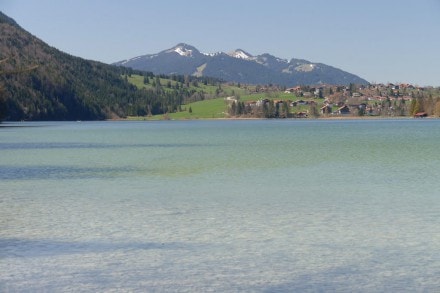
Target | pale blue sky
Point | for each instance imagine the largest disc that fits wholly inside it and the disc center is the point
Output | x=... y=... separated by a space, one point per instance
x=381 y=41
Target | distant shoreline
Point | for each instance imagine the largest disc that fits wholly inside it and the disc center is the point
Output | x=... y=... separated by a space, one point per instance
x=342 y=118
x=299 y=119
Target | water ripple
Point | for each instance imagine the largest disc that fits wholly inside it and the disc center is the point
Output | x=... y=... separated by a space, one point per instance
x=55 y=145
x=16 y=247
x=60 y=172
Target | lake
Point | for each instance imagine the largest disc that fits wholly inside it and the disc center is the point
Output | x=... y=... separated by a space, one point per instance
x=220 y=206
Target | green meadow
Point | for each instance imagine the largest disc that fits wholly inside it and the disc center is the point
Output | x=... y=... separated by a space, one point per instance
x=169 y=84
x=213 y=107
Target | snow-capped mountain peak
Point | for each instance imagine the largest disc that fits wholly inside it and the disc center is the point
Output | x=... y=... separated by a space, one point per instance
x=183 y=50
x=240 y=54
x=239 y=66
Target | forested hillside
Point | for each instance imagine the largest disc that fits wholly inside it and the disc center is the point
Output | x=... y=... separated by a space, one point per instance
x=39 y=82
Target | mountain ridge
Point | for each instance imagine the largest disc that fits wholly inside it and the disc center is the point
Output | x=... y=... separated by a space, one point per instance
x=240 y=66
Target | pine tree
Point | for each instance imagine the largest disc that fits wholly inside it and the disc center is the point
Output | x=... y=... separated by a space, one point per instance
x=417 y=106
x=3 y=99
x=285 y=110
x=271 y=110
x=313 y=109
x=437 y=108
x=266 y=111
x=238 y=109
x=412 y=106
x=3 y=105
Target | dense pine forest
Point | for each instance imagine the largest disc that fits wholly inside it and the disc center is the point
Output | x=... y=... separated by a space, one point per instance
x=39 y=82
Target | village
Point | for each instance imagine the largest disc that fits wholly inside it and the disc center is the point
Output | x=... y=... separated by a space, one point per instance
x=383 y=100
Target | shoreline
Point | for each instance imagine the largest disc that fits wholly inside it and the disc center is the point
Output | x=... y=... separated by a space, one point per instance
x=139 y=119
x=299 y=119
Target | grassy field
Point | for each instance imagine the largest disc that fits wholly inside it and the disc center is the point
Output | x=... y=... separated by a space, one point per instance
x=208 y=109
x=217 y=108
x=227 y=89
x=213 y=108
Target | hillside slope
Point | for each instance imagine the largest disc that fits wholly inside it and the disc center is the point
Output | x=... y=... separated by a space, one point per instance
x=59 y=86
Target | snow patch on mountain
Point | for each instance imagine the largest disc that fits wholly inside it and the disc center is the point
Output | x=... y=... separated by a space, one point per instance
x=282 y=60
x=212 y=54
x=305 y=67
x=182 y=51
x=240 y=54
x=132 y=59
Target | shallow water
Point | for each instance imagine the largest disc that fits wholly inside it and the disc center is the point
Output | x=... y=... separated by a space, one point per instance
x=200 y=206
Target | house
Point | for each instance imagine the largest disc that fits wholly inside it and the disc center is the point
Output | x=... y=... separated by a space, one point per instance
x=344 y=110
x=362 y=106
x=301 y=115
x=262 y=102
x=296 y=89
x=421 y=115
x=326 y=109
x=251 y=104
x=340 y=104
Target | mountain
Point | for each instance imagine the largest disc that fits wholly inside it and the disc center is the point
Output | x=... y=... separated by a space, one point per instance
x=240 y=66
x=39 y=82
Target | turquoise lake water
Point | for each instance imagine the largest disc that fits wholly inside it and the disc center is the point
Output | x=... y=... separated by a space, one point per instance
x=220 y=206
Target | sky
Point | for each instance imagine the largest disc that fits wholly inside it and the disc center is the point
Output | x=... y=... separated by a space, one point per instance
x=379 y=40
